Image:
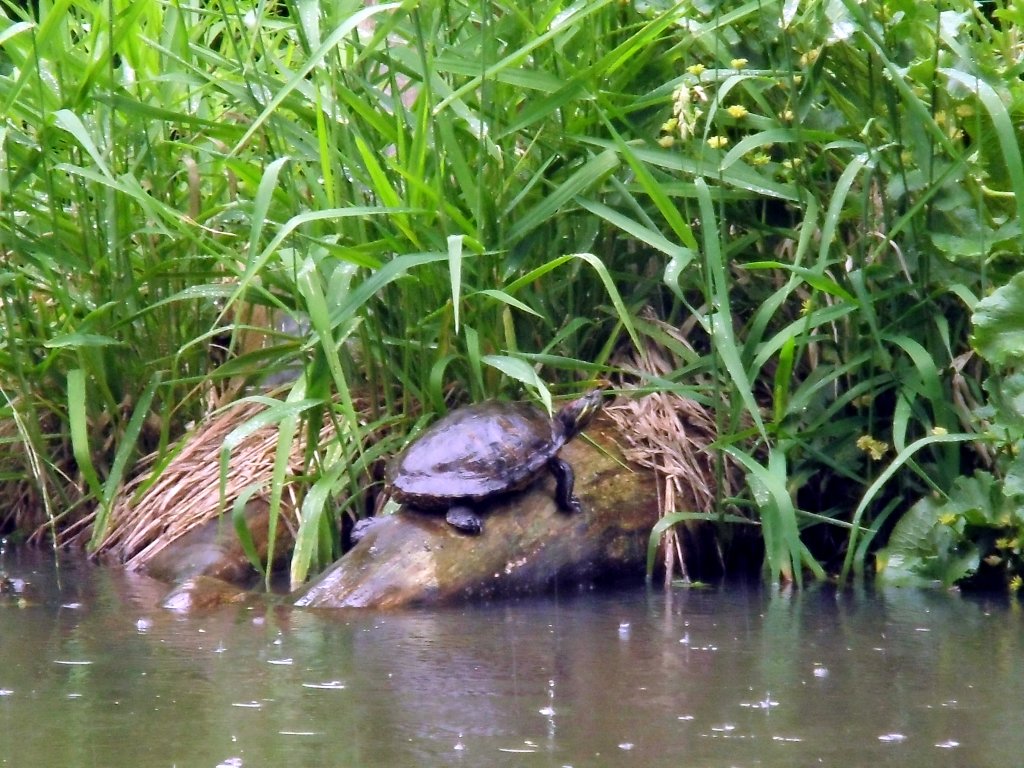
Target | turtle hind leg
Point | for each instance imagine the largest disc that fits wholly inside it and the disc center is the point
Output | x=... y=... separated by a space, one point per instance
x=565 y=479
x=463 y=518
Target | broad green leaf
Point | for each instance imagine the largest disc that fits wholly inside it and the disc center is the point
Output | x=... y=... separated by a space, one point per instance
x=999 y=324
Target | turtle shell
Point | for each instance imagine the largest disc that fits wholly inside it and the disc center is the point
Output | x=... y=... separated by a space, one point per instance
x=475 y=452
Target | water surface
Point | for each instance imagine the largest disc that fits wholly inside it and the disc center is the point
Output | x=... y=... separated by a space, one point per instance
x=91 y=674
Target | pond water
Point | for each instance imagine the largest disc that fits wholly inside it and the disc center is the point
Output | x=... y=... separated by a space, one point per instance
x=91 y=674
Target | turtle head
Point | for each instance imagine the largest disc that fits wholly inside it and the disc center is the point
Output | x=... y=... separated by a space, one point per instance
x=576 y=415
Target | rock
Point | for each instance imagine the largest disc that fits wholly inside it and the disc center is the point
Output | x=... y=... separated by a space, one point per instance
x=204 y=593
x=214 y=549
x=527 y=545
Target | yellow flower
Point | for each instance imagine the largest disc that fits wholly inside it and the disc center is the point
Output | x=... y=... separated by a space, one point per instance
x=810 y=57
x=949 y=518
x=737 y=110
x=760 y=158
x=965 y=110
x=718 y=142
x=738 y=63
x=667 y=140
x=787 y=115
x=1016 y=583
x=670 y=125
x=937 y=431
x=695 y=69
x=875 y=448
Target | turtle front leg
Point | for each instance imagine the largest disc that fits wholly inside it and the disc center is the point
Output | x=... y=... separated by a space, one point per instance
x=564 y=478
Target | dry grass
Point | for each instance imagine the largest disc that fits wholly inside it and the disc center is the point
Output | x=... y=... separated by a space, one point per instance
x=150 y=513
x=19 y=502
x=671 y=435
x=30 y=500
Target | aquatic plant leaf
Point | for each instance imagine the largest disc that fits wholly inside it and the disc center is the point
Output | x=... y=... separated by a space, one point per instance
x=1006 y=403
x=720 y=321
x=999 y=324
x=1013 y=482
x=261 y=205
x=937 y=540
x=978 y=500
x=71 y=123
x=924 y=552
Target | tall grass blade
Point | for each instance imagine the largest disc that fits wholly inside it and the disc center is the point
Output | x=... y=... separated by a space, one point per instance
x=78 y=422
x=455 y=274
x=125 y=450
x=720 y=321
x=1009 y=143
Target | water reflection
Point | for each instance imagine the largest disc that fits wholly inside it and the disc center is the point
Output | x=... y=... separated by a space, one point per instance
x=92 y=674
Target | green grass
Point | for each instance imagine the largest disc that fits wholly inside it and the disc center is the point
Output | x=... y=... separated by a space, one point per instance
x=470 y=198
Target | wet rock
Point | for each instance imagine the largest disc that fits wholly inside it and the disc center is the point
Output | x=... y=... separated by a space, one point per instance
x=214 y=549
x=204 y=593
x=527 y=545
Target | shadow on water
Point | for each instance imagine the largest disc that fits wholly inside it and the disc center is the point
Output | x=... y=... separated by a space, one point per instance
x=93 y=675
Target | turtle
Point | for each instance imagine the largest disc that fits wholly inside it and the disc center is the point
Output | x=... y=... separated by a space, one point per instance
x=485 y=450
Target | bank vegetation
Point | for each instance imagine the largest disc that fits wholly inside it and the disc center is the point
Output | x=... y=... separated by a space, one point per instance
x=802 y=217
